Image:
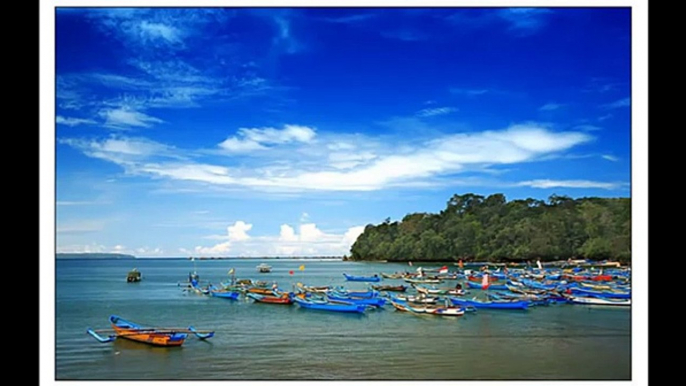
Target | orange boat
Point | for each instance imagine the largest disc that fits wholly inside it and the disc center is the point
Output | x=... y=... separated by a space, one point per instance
x=284 y=298
x=166 y=337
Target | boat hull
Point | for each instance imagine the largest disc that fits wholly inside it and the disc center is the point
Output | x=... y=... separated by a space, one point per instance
x=132 y=331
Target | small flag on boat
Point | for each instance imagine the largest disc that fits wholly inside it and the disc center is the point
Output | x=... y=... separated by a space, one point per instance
x=444 y=269
x=484 y=282
x=302 y=267
x=409 y=263
x=290 y=272
x=231 y=271
x=538 y=262
x=460 y=264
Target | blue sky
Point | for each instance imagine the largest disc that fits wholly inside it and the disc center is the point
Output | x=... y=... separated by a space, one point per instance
x=253 y=132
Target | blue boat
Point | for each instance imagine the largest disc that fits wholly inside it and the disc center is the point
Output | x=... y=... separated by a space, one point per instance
x=498 y=287
x=222 y=293
x=509 y=305
x=374 y=302
x=334 y=306
x=354 y=294
x=374 y=278
x=601 y=294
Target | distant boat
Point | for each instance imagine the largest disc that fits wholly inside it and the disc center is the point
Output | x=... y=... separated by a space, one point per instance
x=264 y=268
x=133 y=276
x=374 y=278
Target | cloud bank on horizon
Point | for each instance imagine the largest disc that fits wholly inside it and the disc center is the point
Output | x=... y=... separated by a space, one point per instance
x=261 y=132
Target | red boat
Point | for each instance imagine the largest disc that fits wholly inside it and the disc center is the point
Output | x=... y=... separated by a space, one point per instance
x=284 y=298
x=491 y=279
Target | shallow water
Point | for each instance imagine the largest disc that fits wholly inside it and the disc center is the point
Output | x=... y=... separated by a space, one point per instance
x=277 y=342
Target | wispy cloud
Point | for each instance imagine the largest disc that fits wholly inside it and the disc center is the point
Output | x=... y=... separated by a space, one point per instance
x=605 y=117
x=432 y=112
x=610 y=157
x=80 y=227
x=250 y=139
x=587 y=128
x=284 y=39
x=469 y=91
x=76 y=203
x=548 y=184
x=125 y=118
x=350 y=19
x=73 y=121
x=625 y=102
x=406 y=35
x=550 y=106
x=520 y=21
x=525 y=21
x=313 y=165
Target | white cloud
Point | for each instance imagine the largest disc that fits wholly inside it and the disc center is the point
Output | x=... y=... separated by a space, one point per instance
x=249 y=139
x=123 y=118
x=238 y=231
x=626 y=102
x=610 y=157
x=468 y=91
x=547 y=184
x=304 y=217
x=308 y=241
x=550 y=106
x=153 y=31
x=312 y=166
x=80 y=226
x=587 y=128
x=432 y=112
x=73 y=121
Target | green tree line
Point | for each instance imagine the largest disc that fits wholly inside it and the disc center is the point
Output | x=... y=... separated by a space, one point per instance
x=478 y=228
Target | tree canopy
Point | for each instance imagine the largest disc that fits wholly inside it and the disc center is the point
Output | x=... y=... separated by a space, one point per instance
x=478 y=228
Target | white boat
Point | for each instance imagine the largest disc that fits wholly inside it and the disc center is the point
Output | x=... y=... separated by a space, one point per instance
x=264 y=268
x=599 y=301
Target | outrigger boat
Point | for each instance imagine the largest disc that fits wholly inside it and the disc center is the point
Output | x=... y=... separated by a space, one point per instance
x=394 y=288
x=374 y=278
x=328 y=305
x=284 y=298
x=156 y=336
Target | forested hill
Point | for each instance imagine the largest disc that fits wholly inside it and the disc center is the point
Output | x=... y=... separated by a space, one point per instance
x=93 y=256
x=478 y=228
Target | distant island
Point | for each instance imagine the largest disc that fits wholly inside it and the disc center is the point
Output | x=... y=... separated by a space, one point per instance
x=94 y=256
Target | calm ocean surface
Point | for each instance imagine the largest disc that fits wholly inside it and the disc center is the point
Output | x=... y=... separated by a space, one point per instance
x=277 y=342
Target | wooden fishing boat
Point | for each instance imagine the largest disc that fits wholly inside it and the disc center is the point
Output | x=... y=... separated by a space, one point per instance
x=224 y=293
x=592 y=301
x=328 y=305
x=479 y=278
x=423 y=281
x=156 y=336
x=416 y=299
x=491 y=286
x=134 y=276
x=340 y=291
x=314 y=289
x=260 y=291
x=600 y=294
x=392 y=288
x=264 y=268
x=508 y=305
x=374 y=278
x=392 y=275
x=429 y=310
x=372 y=302
x=284 y=298
x=439 y=291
